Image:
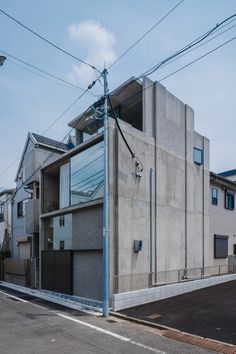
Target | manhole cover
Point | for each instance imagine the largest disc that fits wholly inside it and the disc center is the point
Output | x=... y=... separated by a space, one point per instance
x=111 y=321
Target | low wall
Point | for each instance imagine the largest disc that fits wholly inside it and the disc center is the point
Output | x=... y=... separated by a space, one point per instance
x=138 y=297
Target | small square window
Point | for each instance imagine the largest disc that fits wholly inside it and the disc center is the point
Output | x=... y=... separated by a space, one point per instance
x=214 y=196
x=229 y=200
x=197 y=156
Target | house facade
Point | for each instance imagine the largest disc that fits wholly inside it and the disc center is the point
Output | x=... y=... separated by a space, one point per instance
x=25 y=206
x=5 y=220
x=222 y=219
x=159 y=201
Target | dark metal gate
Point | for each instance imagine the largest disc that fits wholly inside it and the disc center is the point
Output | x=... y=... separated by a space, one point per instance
x=57 y=271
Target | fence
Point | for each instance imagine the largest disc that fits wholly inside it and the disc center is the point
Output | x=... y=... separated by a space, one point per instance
x=18 y=271
x=129 y=282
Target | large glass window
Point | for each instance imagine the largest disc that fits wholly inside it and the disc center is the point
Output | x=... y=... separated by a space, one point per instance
x=87 y=174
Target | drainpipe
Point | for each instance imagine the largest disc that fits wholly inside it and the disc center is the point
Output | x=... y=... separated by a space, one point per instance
x=106 y=203
x=186 y=194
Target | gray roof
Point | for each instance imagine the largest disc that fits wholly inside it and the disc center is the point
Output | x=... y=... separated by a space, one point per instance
x=50 y=142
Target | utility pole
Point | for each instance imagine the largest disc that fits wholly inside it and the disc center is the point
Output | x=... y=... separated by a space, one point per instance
x=106 y=203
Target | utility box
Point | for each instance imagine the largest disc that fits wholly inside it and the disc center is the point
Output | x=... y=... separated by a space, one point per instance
x=138 y=245
x=232 y=263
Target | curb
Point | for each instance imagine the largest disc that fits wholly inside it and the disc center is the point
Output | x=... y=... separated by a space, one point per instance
x=173 y=333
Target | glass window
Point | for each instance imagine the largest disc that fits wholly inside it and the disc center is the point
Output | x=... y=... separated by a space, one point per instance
x=94 y=127
x=220 y=246
x=197 y=156
x=87 y=174
x=21 y=208
x=58 y=237
x=214 y=196
x=229 y=200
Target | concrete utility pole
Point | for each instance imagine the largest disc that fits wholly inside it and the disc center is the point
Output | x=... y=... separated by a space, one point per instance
x=106 y=203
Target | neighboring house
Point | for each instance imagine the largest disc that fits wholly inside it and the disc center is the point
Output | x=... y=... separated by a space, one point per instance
x=5 y=219
x=25 y=201
x=222 y=218
x=159 y=217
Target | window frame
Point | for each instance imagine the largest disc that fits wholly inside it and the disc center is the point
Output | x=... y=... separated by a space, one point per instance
x=227 y=195
x=214 y=200
x=23 y=202
x=195 y=149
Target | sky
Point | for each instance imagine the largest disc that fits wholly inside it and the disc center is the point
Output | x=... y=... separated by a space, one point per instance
x=98 y=32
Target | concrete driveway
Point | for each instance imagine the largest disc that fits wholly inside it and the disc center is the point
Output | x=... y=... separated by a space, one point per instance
x=209 y=312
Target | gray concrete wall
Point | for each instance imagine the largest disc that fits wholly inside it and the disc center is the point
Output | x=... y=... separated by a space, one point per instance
x=87 y=229
x=168 y=207
x=87 y=270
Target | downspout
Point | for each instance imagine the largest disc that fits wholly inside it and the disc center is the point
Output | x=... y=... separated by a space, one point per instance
x=186 y=194
x=155 y=179
x=203 y=207
x=151 y=223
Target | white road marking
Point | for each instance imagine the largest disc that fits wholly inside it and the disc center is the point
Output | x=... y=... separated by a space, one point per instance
x=14 y=297
x=96 y=328
x=122 y=338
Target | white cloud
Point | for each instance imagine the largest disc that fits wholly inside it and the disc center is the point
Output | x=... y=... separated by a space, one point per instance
x=99 y=43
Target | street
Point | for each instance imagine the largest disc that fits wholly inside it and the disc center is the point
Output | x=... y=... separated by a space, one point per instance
x=30 y=326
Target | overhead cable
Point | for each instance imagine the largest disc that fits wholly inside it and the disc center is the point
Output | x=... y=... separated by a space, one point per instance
x=187 y=47
x=48 y=41
x=145 y=34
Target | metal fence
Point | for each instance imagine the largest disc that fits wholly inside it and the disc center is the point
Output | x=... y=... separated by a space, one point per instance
x=130 y=282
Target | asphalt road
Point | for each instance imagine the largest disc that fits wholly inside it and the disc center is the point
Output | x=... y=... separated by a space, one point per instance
x=208 y=312
x=32 y=326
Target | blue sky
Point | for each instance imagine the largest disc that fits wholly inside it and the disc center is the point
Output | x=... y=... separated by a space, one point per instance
x=99 y=31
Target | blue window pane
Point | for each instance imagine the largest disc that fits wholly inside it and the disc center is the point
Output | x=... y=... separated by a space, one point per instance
x=229 y=200
x=197 y=156
x=214 y=196
x=87 y=175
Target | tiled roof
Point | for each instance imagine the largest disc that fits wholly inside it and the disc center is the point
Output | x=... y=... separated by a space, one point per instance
x=50 y=142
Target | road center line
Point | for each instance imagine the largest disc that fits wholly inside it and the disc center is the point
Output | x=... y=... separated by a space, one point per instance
x=112 y=334
x=14 y=297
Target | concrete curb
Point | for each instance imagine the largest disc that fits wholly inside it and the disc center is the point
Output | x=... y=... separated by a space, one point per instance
x=173 y=333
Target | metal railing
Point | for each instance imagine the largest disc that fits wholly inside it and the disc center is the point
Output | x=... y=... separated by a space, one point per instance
x=129 y=282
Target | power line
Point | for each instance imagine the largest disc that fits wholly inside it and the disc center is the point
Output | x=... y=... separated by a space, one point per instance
x=198 y=46
x=51 y=125
x=42 y=71
x=47 y=41
x=199 y=58
x=145 y=34
x=139 y=91
x=187 y=47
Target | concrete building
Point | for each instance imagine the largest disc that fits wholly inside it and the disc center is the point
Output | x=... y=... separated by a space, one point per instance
x=159 y=200
x=5 y=219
